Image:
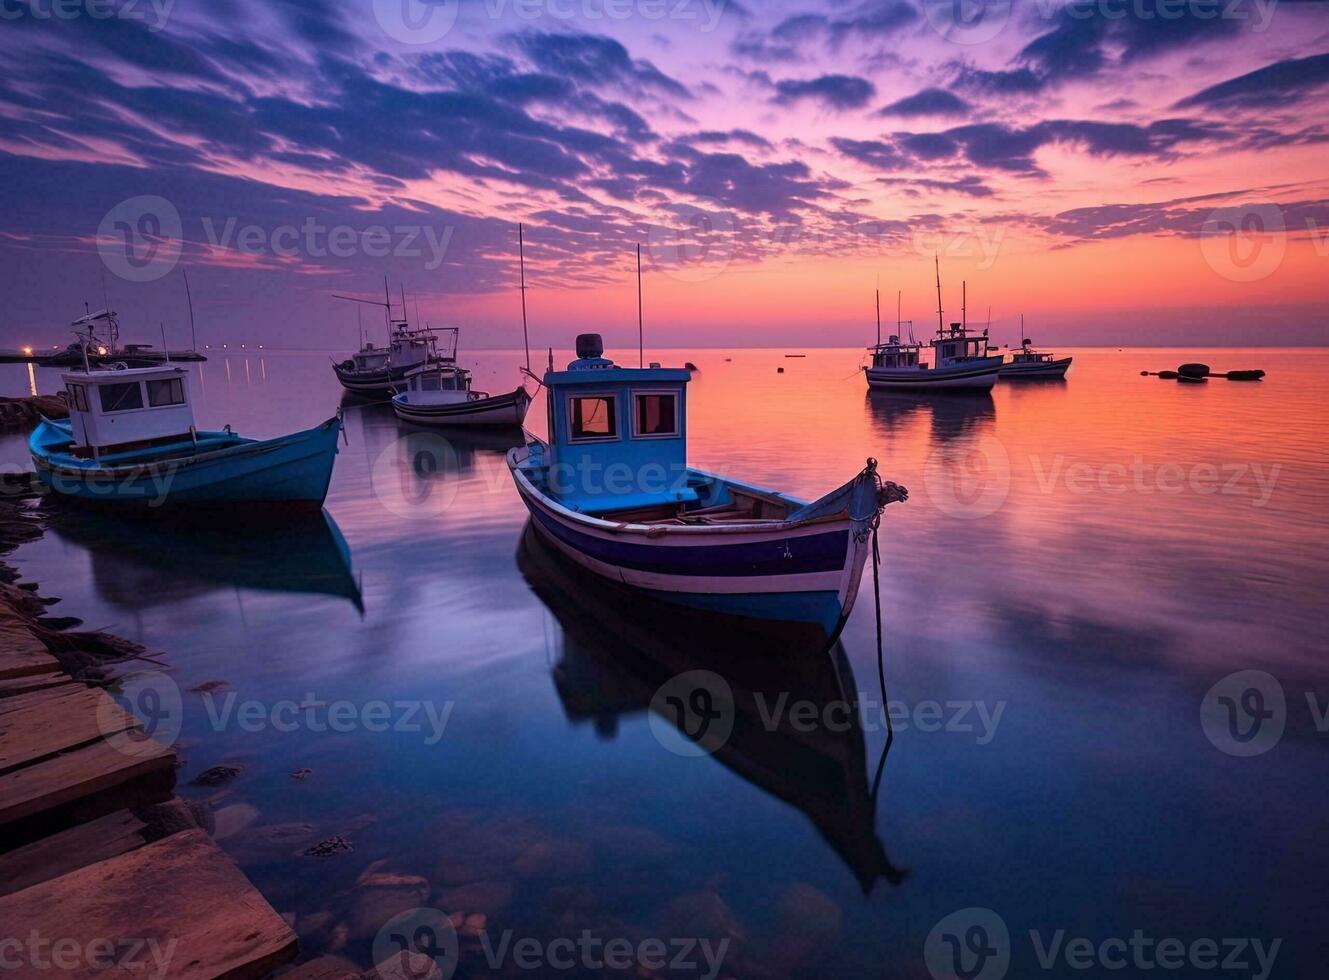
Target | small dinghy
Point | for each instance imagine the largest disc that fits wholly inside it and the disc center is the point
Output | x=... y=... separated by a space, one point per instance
x=130 y=441
x=441 y=394
x=612 y=490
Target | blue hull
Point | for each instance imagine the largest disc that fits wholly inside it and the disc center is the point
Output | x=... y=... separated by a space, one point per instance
x=224 y=470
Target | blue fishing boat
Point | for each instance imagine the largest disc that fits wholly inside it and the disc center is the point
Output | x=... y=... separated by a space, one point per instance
x=612 y=490
x=130 y=441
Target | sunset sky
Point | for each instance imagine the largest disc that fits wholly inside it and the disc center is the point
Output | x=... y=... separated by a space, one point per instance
x=1084 y=165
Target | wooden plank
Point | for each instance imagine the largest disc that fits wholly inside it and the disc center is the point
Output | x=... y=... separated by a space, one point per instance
x=22 y=654
x=17 y=686
x=42 y=730
x=183 y=896
x=44 y=695
x=116 y=833
x=75 y=778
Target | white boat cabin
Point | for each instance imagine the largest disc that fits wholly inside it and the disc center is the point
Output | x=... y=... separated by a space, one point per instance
x=407 y=346
x=956 y=345
x=437 y=383
x=119 y=409
x=894 y=354
x=1027 y=355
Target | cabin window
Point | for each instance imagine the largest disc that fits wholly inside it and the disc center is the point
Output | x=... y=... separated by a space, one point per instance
x=121 y=397
x=78 y=397
x=594 y=417
x=167 y=391
x=429 y=383
x=657 y=414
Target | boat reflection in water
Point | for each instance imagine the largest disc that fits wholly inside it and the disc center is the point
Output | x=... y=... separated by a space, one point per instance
x=951 y=416
x=140 y=564
x=622 y=651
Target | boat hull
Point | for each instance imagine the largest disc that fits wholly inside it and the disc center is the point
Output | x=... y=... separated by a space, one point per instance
x=370 y=383
x=980 y=376
x=1046 y=370
x=291 y=471
x=500 y=410
x=807 y=572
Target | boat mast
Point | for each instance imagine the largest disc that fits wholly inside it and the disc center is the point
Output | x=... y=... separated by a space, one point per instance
x=193 y=334
x=964 y=305
x=641 y=343
x=387 y=309
x=521 y=258
x=941 y=327
x=878 y=317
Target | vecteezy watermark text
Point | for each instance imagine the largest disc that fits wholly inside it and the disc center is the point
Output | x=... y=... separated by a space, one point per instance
x=315 y=715
x=153 y=13
x=148 y=958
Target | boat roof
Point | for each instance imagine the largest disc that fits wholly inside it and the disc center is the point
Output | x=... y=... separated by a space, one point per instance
x=439 y=366
x=601 y=371
x=115 y=375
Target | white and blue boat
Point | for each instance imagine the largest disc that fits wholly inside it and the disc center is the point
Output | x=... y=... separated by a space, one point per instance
x=130 y=441
x=612 y=491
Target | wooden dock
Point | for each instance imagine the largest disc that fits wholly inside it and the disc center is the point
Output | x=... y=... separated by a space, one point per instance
x=78 y=864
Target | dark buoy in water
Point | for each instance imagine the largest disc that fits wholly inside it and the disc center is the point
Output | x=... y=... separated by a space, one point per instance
x=779 y=370
x=1245 y=375
x=1193 y=371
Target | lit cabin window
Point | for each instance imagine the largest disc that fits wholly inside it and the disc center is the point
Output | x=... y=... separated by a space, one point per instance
x=167 y=391
x=656 y=415
x=78 y=397
x=121 y=397
x=593 y=417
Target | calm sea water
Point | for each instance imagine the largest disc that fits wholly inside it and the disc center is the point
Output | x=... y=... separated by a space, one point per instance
x=1078 y=566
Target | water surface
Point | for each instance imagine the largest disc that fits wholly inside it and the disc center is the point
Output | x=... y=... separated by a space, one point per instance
x=1078 y=564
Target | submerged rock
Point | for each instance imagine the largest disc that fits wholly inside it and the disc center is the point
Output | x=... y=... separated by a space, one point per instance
x=217 y=775
x=328 y=847
x=489 y=897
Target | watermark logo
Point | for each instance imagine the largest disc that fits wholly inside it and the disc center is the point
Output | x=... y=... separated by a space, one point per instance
x=1245 y=713
x=154 y=699
x=692 y=714
x=971 y=944
x=140 y=238
x=418 y=944
x=969 y=481
x=416 y=21
x=1245 y=243
x=697 y=245
x=414 y=476
x=967 y=21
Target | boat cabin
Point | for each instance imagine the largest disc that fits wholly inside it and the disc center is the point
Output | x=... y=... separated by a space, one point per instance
x=1027 y=355
x=113 y=410
x=894 y=354
x=617 y=436
x=437 y=377
x=956 y=344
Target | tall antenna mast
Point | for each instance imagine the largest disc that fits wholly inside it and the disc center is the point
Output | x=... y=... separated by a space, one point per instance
x=878 y=317
x=387 y=310
x=403 y=303
x=641 y=342
x=964 y=305
x=936 y=262
x=521 y=258
x=166 y=351
x=193 y=335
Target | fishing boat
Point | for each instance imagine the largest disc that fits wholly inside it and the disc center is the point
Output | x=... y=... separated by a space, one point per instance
x=612 y=490
x=1030 y=364
x=960 y=358
x=440 y=393
x=130 y=441
x=380 y=371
